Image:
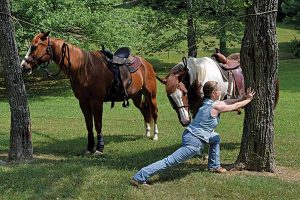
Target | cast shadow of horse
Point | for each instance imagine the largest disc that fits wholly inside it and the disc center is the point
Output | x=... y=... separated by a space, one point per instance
x=123 y=160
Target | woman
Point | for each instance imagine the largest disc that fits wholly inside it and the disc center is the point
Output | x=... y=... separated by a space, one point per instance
x=199 y=132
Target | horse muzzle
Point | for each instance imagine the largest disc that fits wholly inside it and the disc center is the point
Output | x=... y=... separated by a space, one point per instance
x=185 y=122
x=26 y=68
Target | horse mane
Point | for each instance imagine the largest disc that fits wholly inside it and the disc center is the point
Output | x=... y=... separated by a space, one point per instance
x=80 y=59
x=196 y=72
x=176 y=69
x=194 y=96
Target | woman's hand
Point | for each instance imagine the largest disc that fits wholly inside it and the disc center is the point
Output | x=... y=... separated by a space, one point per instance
x=249 y=94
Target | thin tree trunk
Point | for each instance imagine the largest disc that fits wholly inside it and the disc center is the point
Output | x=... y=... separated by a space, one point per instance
x=20 y=133
x=191 y=33
x=259 y=58
x=222 y=33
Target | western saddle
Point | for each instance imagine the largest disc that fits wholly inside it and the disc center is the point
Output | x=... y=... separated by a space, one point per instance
x=122 y=64
x=232 y=72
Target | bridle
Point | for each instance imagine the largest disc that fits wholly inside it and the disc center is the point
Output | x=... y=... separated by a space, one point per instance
x=49 y=51
x=174 y=105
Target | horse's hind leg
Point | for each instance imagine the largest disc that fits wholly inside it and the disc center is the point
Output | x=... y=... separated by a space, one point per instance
x=150 y=96
x=154 y=111
x=141 y=105
x=87 y=112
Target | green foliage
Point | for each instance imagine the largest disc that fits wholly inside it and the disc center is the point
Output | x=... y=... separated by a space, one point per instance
x=292 y=10
x=168 y=29
x=84 y=23
x=296 y=47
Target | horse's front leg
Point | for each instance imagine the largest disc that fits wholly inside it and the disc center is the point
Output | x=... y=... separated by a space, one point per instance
x=88 y=116
x=97 y=109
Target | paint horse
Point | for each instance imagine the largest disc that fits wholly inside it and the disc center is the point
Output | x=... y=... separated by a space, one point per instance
x=185 y=81
x=91 y=81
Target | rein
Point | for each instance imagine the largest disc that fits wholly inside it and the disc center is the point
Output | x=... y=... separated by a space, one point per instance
x=65 y=52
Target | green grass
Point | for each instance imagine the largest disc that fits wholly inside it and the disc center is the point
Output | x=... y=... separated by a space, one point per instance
x=61 y=171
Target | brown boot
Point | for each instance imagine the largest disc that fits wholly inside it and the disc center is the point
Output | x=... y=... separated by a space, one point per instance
x=135 y=183
x=218 y=170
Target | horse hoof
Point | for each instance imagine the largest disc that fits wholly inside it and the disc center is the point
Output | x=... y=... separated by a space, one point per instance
x=87 y=153
x=155 y=137
x=98 y=153
x=147 y=136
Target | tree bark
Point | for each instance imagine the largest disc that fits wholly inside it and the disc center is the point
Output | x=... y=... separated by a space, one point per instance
x=259 y=58
x=191 y=33
x=20 y=132
x=222 y=33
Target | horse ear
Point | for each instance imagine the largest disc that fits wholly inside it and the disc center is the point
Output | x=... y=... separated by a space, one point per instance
x=45 y=35
x=182 y=74
x=162 y=80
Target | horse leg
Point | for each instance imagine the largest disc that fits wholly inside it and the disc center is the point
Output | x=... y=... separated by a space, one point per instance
x=154 y=111
x=151 y=108
x=97 y=109
x=138 y=102
x=86 y=110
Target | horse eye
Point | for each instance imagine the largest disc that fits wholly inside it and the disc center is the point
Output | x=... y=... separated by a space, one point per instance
x=33 y=48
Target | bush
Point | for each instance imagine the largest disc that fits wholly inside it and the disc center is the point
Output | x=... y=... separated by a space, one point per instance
x=296 y=47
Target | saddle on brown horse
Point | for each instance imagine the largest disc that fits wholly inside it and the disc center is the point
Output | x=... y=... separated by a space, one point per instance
x=122 y=64
x=231 y=72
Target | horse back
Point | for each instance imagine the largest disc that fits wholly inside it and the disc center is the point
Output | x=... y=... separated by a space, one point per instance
x=92 y=79
x=143 y=78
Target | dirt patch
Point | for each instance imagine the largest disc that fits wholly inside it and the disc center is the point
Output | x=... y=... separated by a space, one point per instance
x=283 y=173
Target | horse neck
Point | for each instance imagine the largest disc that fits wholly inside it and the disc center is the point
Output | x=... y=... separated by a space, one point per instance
x=76 y=55
x=194 y=96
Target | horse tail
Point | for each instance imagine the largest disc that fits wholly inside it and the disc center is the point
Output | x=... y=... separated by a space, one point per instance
x=276 y=92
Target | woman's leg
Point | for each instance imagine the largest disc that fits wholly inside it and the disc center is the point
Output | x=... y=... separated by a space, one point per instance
x=190 y=147
x=214 y=151
x=180 y=155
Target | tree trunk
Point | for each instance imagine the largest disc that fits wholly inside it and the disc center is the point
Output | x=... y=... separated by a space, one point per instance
x=259 y=58
x=222 y=33
x=20 y=133
x=191 y=33
x=222 y=36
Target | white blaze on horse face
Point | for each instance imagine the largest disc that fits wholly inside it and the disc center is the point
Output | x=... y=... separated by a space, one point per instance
x=26 y=57
x=177 y=98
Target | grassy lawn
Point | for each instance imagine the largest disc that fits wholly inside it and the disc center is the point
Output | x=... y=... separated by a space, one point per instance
x=60 y=169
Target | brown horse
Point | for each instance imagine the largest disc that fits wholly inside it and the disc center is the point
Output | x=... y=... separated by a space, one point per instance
x=185 y=80
x=91 y=82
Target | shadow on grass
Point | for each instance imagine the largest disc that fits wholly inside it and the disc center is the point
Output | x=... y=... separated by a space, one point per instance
x=64 y=163
x=114 y=158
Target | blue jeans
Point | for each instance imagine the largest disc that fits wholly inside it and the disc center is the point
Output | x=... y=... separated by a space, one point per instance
x=191 y=146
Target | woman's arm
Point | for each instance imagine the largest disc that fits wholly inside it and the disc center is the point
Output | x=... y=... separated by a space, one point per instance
x=227 y=106
x=232 y=101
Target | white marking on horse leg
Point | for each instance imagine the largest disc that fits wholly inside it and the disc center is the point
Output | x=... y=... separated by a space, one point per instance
x=155 y=137
x=87 y=153
x=98 y=153
x=147 y=127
